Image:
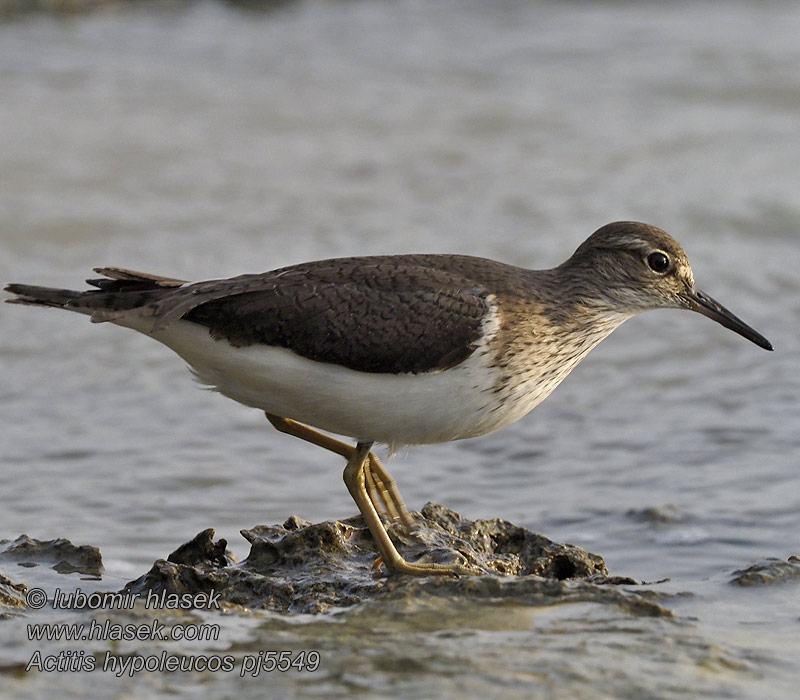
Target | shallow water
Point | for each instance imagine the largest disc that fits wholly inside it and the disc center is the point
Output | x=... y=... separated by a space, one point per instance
x=199 y=140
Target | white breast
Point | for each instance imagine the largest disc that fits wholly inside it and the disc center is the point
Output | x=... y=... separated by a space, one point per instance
x=396 y=409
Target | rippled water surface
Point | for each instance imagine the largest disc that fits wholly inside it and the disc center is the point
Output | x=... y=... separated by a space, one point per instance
x=200 y=140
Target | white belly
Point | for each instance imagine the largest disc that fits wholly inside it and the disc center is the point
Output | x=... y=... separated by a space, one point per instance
x=393 y=409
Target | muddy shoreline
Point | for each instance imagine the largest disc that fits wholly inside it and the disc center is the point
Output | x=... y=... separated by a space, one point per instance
x=303 y=567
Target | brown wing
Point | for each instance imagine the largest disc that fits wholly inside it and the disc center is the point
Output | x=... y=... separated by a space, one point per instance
x=371 y=315
x=394 y=314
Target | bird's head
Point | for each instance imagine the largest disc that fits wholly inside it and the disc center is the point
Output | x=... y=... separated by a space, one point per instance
x=635 y=267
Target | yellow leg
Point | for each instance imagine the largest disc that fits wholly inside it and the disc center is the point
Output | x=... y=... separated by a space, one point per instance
x=355 y=480
x=363 y=468
x=379 y=482
x=377 y=493
x=381 y=485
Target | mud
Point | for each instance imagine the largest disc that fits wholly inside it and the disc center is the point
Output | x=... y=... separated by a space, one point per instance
x=59 y=554
x=303 y=567
x=768 y=572
x=300 y=567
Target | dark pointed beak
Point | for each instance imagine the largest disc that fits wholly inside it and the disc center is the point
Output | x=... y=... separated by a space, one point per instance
x=702 y=303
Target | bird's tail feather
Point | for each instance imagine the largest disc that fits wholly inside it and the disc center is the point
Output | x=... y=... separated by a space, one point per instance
x=41 y=296
x=117 y=293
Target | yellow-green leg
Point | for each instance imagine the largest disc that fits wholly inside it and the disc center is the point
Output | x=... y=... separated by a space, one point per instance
x=382 y=487
x=362 y=472
x=355 y=480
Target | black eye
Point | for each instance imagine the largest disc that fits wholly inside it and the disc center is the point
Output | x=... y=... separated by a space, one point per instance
x=658 y=262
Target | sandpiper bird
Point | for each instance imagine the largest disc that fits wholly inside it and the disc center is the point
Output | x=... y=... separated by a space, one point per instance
x=398 y=349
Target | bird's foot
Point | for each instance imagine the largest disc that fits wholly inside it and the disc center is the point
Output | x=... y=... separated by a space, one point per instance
x=401 y=566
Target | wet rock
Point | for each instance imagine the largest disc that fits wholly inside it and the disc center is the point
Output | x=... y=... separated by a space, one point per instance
x=12 y=594
x=658 y=515
x=60 y=554
x=498 y=547
x=309 y=568
x=528 y=590
x=768 y=572
x=203 y=551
